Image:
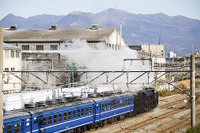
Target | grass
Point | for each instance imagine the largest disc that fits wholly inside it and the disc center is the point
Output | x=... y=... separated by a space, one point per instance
x=195 y=130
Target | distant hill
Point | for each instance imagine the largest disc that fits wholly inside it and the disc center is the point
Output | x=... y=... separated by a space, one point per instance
x=178 y=32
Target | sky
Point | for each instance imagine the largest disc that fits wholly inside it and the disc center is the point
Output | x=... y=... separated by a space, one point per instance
x=27 y=8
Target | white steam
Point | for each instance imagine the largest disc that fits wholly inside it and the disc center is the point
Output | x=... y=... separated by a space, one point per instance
x=104 y=58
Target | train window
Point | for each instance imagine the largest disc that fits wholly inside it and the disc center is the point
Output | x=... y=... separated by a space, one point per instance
x=90 y=109
x=65 y=116
x=102 y=107
x=123 y=102
x=115 y=104
x=126 y=102
x=112 y=105
x=79 y=113
x=97 y=106
x=69 y=115
x=74 y=114
x=16 y=127
x=109 y=106
x=60 y=117
x=35 y=120
x=129 y=101
x=55 y=118
x=118 y=104
x=44 y=121
x=50 y=120
x=106 y=105
x=82 y=112
x=9 y=128
x=86 y=111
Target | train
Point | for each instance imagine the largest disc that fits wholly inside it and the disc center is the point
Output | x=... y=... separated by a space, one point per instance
x=76 y=115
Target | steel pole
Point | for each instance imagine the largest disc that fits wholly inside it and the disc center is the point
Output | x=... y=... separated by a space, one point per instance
x=192 y=90
x=1 y=80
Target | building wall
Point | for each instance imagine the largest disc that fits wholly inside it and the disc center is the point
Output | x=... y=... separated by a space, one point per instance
x=115 y=41
x=11 y=63
x=155 y=49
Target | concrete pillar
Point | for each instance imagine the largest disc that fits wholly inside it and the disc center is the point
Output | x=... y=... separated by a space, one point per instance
x=192 y=90
x=169 y=81
x=1 y=80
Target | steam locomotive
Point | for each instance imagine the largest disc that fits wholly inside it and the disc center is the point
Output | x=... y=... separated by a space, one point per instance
x=74 y=114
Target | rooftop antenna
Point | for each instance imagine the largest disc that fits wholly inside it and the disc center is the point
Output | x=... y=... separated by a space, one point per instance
x=160 y=37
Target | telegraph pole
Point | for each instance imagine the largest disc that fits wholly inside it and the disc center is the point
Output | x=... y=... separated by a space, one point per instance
x=1 y=80
x=192 y=90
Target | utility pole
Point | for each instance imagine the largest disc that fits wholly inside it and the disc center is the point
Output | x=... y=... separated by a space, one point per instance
x=1 y=80
x=192 y=90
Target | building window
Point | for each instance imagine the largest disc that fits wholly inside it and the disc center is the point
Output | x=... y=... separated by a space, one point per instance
x=6 y=69
x=25 y=47
x=17 y=53
x=12 y=69
x=6 y=54
x=39 y=47
x=54 y=47
x=12 y=53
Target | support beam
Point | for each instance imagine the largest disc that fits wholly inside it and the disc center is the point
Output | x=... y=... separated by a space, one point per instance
x=108 y=71
x=137 y=77
x=1 y=80
x=116 y=77
x=96 y=77
x=58 y=78
x=158 y=78
x=18 y=77
x=192 y=90
x=175 y=87
x=38 y=78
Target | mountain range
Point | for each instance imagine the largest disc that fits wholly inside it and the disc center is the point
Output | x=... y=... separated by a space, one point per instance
x=178 y=33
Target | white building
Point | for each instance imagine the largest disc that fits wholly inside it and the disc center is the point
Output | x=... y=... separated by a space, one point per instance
x=154 y=50
x=11 y=62
x=171 y=55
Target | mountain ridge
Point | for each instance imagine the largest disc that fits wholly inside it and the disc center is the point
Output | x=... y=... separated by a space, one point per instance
x=178 y=32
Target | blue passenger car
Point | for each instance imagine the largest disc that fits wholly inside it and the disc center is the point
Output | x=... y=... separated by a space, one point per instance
x=78 y=116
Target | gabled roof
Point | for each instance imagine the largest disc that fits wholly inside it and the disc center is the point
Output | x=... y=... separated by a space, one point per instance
x=8 y=46
x=46 y=35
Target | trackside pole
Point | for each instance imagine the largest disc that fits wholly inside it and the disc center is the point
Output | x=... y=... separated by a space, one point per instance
x=1 y=80
x=192 y=90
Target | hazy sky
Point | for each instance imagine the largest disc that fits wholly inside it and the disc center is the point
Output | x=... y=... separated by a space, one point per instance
x=27 y=8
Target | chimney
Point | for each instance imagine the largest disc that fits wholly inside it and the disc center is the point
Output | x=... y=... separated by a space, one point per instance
x=53 y=27
x=94 y=26
x=13 y=27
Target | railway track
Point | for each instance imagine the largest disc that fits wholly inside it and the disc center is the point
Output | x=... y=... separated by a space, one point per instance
x=172 y=103
x=147 y=122
x=160 y=107
x=178 y=125
x=152 y=120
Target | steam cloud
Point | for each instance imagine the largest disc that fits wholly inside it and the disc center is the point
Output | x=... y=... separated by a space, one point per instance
x=104 y=58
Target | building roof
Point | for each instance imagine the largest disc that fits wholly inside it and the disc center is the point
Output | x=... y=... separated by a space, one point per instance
x=8 y=46
x=46 y=35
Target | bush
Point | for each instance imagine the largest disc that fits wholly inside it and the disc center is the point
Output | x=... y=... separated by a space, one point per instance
x=166 y=92
x=195 y=130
